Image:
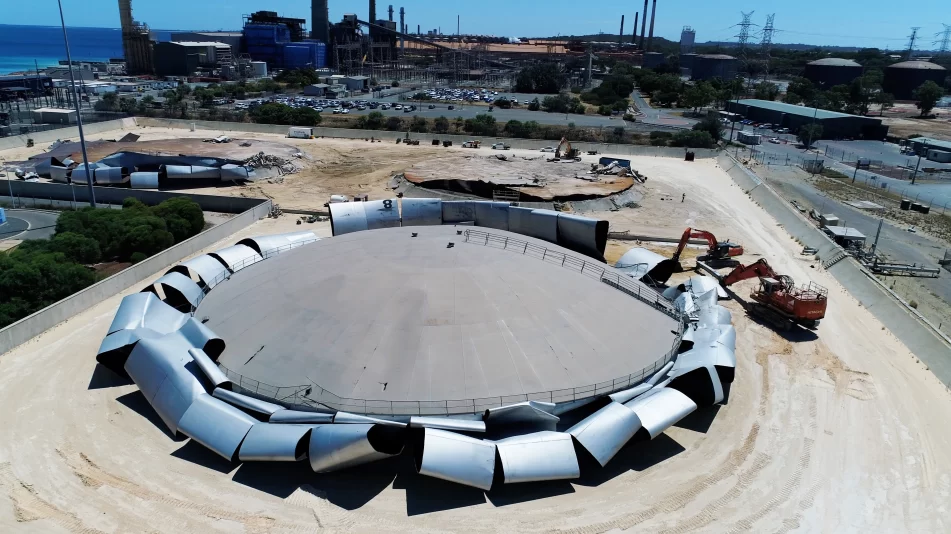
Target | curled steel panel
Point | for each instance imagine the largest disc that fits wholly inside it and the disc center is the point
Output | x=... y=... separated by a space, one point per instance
x=715 y=315
x=347 y=217
x=145 y=310
x=653 y=380
x=179 y=172
x=115 y=347
x=268 y=245
x=638 y=262
x=706 y=300
x=111 y=175
x=216 y=425
x=352 y=418
x=583 y=234
x=701 y=284
x=275 y=443
x=144 y=180
x=421 y=211
x=447 y=423
x=456 y=458
x=699 y=381
x=182 y=285
x=237 y=257
x=458 y=211
x=210 y=370
x=42 y=168
x=660 y=408
x=78 y=175
x=628 y=394
x=382 y=214
x=209 y=270
x=522 y=412
x=604 y=432
x=334 y=447
x=538 y=456
x=246 y=402
x=540 y=224
x=671 y=293
x=236 y=172
x=492 y=214
x=59 y=174
x=202 y=337
x=686 y=304
x=294 y=416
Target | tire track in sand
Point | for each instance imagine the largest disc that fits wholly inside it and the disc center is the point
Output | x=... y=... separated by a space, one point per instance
x=29 y=506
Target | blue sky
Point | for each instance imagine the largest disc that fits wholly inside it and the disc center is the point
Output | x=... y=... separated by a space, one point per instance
x=881 y=23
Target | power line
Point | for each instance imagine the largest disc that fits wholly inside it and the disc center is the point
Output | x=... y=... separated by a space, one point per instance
x=944 y=39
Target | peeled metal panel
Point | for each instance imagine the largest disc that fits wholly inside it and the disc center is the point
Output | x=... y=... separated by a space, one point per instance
x=111 y=175
x=522 y=412
x=653 y=380
x=348 y=217
x=209 y=270
x=202 y=337
x=671 y=293
x=421 y=211
x=146 y=310
x=697 y=379
x=144 y=180
x=686 y=304
x=59 y=174
x=382 y=214
x=216 y=425
x=115 y=347
x=583 y=234
x=237 y=257
x=178 y=172
x=713 y=316
x=457 y=458
x=184 y=285
x=628 y=394
x=78 y=176
x=352 y=418
x=42 y=168
x=637 y=262
x=540 y=224
x=268 y=245
x=334 y=447
x=275 y=443
x=208 y=367
x=492 y=214
x=701 y=284
x=706 y=300
x=538 y=456
x=246 y=402
x=236 y=172
x=458 y=211
x=171 y=402
x=660 y=408
x=447 y=423
x=294 y=416
x=604 y=432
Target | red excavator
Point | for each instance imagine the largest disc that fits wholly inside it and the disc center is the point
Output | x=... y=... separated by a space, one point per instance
x=778 y=300
x=718 y=252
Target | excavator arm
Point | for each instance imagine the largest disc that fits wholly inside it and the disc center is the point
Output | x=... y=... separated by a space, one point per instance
x=712 y=245
x=760 y=269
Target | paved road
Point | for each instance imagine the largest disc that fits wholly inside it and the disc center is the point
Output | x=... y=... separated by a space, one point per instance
x=659 y=116
x=28 y=224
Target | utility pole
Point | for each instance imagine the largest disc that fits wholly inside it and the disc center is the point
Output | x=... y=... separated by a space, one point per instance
x=913 y=176
x=79 y=114
x=911 y=41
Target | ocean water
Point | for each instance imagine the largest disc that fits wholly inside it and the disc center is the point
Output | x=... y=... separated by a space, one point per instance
x=21 y=45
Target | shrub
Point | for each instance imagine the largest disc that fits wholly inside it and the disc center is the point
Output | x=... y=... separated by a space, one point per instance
x=658 y=141
x=660 y=135
x=394 y=123
x=482 y=124
x=534 y=105
x=418 y=124
x=137 y=257
x=692 y=139
x=503 y=103
x=441 y=125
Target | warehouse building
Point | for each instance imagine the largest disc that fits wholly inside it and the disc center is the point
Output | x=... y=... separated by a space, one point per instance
x=834 y=125
x=710 y=66
x=901 y=79
x=183 y=58
x=831 y=71
x=932 y=149
x=27 y=84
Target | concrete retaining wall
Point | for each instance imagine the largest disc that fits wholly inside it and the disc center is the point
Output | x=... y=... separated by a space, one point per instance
x=71 y=133
x=908 y=325
x=425 y=138
x=41 y=321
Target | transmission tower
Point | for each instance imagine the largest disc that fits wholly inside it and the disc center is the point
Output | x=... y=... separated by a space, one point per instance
x=944 y=40
x=743 y=37
x=911 y=41
x=767 y=44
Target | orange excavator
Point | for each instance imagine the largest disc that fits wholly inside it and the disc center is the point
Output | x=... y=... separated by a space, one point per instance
x=778 y=300
x=569 y=153
x=718 y=252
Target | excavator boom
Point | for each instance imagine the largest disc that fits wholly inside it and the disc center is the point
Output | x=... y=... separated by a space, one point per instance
x=778 y=299
x=760 y=269
x=715 y=250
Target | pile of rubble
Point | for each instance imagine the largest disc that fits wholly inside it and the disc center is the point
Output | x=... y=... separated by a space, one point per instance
x=262 y=160
x=616 y=169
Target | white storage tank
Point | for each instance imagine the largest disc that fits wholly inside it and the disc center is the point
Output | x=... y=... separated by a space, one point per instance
x=258 y=69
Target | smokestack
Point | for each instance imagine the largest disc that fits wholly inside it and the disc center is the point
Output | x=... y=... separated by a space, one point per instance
x=320 y=21
x=644 y=25
x=372 y=19
x=417 y=29
x=634 y=35
x=402 y=29
x=457 y=25
x=620 y=36
x=391 y=12
x=650 y=37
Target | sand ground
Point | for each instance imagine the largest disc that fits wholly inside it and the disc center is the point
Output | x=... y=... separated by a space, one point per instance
x=844 y=432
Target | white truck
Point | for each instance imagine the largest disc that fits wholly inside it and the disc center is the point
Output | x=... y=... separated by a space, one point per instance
x=299 y=132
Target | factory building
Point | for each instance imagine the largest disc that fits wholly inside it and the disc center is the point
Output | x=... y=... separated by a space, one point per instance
x=901 y=79
x=834 y=125
x=831 y=71
x=653 y=59
x=687 y=38
x=932 y=149
x=184 y=58
x=710 y=66
x=686 y=64
x=279 y=42
x=25 y=84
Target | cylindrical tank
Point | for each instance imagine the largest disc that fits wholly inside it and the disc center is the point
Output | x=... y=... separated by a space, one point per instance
x=258 y=69
x=709 y=66
x=901 y=79
x=653 y=59
x=831 y=71
x=905 y=204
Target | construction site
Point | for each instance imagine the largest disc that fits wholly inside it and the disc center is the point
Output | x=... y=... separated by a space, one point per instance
x=512 y=339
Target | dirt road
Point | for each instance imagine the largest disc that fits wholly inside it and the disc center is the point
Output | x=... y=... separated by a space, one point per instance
x=844 y=433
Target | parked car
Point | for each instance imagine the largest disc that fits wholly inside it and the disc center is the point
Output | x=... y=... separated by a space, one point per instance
x=548 y=149
x=398 y=106
x=452 y=108
x=774 y=140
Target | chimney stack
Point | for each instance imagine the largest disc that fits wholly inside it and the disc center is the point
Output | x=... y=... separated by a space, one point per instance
x=650 y=37
x=391 y=12
x=644 y=25
x=620 y=36
x=634 y=35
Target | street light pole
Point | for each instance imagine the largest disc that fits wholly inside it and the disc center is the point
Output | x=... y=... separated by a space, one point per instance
x=913 y=176
x=79 y=114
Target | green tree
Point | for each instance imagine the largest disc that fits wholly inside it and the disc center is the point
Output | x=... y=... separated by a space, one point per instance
x=534 y=105
x=418 y=124
x=482 y=124
x=712 y=125
x=692 y=139
x=108 y=102
x=394 y=123
x=927 y=96
x=809 y=133
x=802 y=88
x=459 y=123
x=304 y=116
x=884 y=101
x=766 y=91
x=698 y=96
x=604 y=110
x=544 y=78
x=556 y=104
x=503 y=103
x=76 y=247
x=441 y=124
x=372 y=121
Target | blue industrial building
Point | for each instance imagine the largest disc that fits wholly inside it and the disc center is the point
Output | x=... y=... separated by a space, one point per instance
x=279 y=42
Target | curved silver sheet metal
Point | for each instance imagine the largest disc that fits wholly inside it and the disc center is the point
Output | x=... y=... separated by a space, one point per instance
x=42 y=167
x=522 y=412
x=701 y=284
x=183 y=285
x=296 y=417
x=209 y=369
x=715 y=315
x=269 y=245
x=492 y=214
x=237 y=257
x=216 y=425
x=696 y=376
x=671 y=293
x=348 y=418
x=202 y=337
x=685 y=304
x=708 y=336
x=78 y=176
x=347 y=217
x=115 y=347
x=538 y=456
x=637 y=262
x=144 y=180
x=421 y=211
x=246 y=402
x=209 y=270
x=660 y=408
x=111 y=175
x=540 y=224
x=382 y=213
x=236 y=172
x=178 y=172
x=583 y=234
x=564 y=407
x=334 y=447
x=604 y=432
x=706 y=300
x=656 y=377
x=458 y=211
x=275 y=443
x=145 y=310
x=457 y=458
x=59 y=174
x=447 y=423
x=628 y=394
